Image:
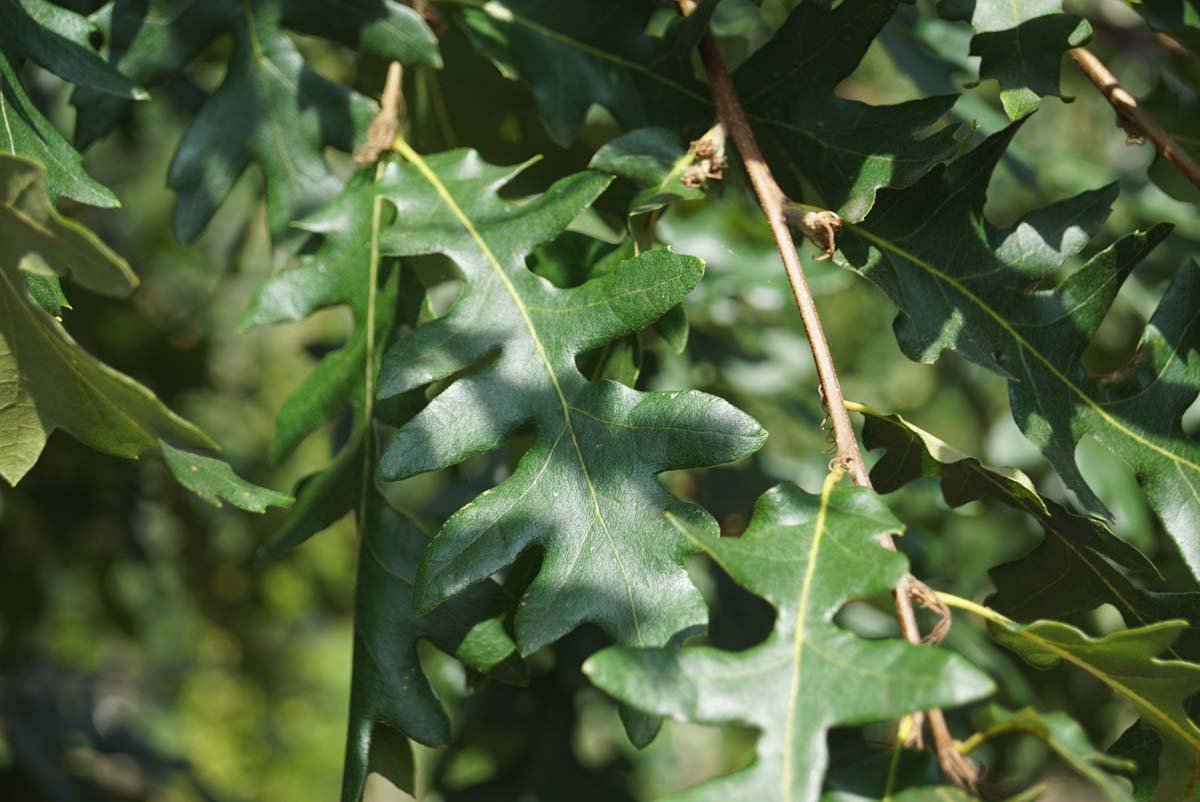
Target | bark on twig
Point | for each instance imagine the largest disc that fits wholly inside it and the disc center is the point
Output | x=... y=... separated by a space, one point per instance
x=848 y=455
x=382 y=132
x=1133 y=118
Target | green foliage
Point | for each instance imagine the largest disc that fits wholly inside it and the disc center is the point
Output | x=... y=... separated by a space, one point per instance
x=214 y=480
x=806 y=555
x=983 y=300
x=1079 y=565
x=1127 y=663
x=49 y=382
x=1020 y=44
x=271 y=108
x=530 y=402
x=1068 y=740
x=56 y=39
x=585 y=491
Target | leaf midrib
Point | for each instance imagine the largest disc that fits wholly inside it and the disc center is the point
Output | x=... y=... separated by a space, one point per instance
x=443 y=192
x=802 y=631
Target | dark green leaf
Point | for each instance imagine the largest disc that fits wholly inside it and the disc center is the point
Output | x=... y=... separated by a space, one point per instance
x=338 y=272
x=807 y=556
x=1125 y=661
x=594 y=51
x=1067 y=739
x=1078 y=566
x=388 y=688
x=653 y=159
x=585 y=492
x=56 y=39
x=1176 y=107
x=1021 y=44
x=271 y=109
x=1179 y=19
x=847 y=149
x=47 y=381
x=964 y=284
x=213 y=480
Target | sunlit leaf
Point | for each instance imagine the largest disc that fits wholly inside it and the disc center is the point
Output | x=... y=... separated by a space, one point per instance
x=806 y=555
x=962 y=283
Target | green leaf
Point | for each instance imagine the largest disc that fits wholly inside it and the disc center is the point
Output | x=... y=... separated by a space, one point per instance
x=585 y=492
x=1176 y=107
x=808 y=556
x=338 y=272
x=964 y=284
x=653 y=159
x=213 y=480
x=594 y=51
x=1066 y=738
x=1020 y=44
x=847 y=149
x=56 y=39
x=1179 y=19
x=389 y=691
x=271 y=108
x=47 y=381
x=1125 y=661
x=1077 y=567
x=935 y=793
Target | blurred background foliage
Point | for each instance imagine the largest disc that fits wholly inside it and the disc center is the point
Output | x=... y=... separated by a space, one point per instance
x=144 y=653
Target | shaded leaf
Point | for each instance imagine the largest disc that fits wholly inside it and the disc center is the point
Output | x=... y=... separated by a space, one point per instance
x=594 y=51
x=389 y=693
x=338 y=272
x=1067 y=739
x=56 y=39
x=964 y=284
x=1079 y=565
x=1176 y=107
x=653 y=159
x=808 y=556
x=1126 y=662
x=585 y=492
x=47 y=381
x=591 y=51
x=1179 y=19
x=214 y=480
x=847 y=149
x=1020 y=44
x=271 y=108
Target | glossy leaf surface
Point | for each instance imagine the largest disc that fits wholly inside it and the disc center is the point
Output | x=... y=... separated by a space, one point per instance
x=57 y=39
x=806 y=555
x=585 y=492
x=1079 y=565
x=964 y=284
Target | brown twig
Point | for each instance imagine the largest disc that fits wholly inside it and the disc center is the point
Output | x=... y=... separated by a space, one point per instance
x=386 y=124
x=1133 y=118
x=848 y=455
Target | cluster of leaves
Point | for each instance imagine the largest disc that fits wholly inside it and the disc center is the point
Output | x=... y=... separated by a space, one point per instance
x=542 y=350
